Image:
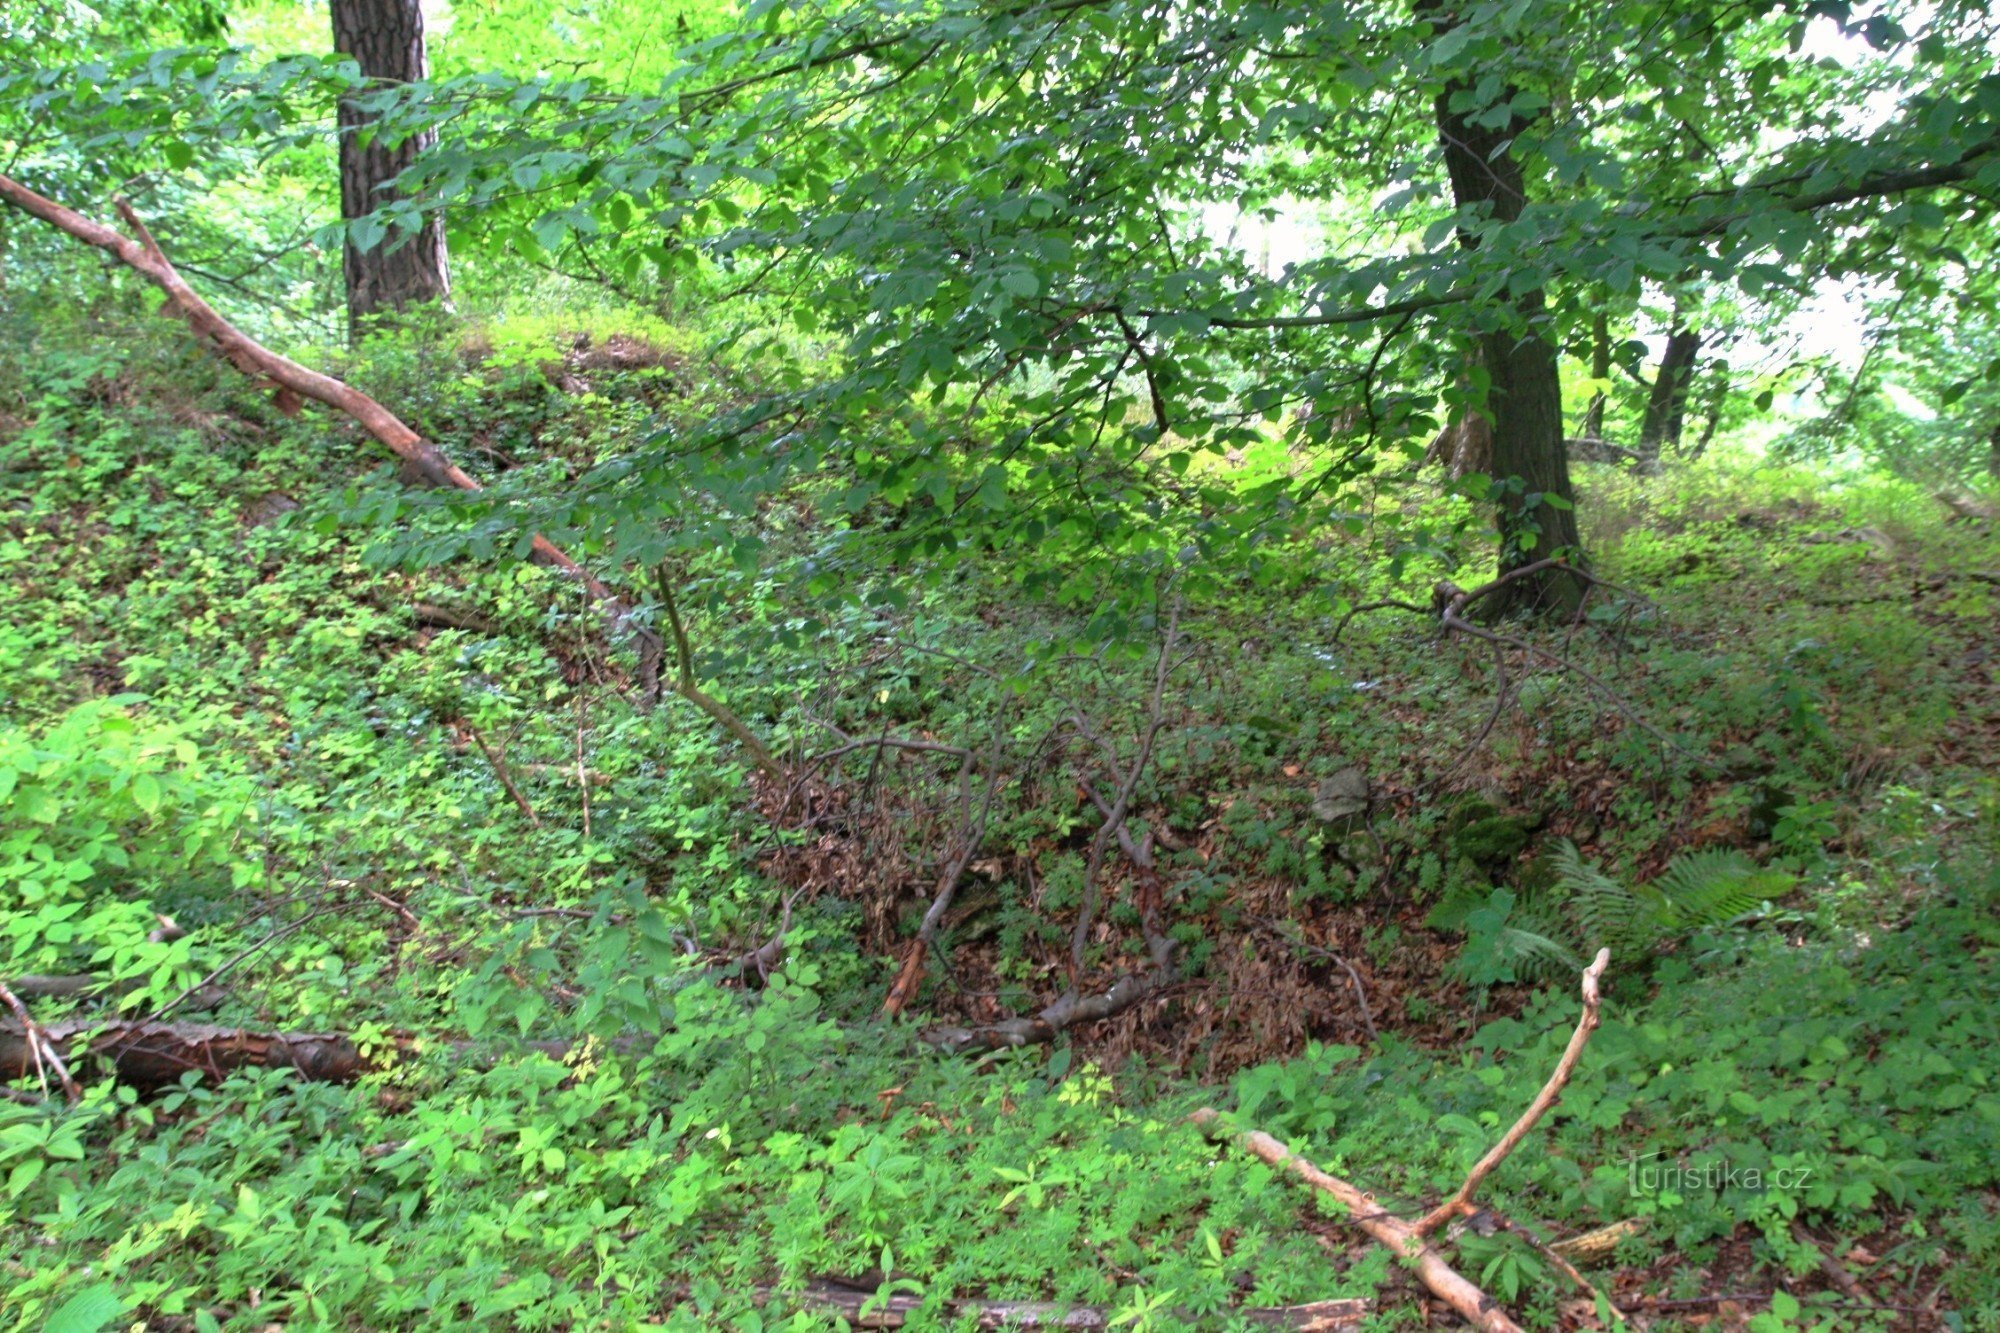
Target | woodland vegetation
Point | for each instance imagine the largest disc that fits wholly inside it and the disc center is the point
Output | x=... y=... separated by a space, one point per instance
x=999 y=663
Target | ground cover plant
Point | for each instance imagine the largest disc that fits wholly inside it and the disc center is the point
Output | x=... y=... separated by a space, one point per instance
x=747 y=667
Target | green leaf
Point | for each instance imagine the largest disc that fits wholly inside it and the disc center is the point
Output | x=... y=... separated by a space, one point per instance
x=87 y=1311
x=146 y=792
x=179 y=155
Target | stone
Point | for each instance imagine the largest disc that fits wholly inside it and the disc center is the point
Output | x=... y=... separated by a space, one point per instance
x=1342 y=796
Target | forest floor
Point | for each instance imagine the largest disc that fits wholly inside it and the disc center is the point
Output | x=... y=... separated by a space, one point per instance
x=425 y=806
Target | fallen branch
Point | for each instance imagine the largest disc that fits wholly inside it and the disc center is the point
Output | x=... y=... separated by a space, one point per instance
x=498 y=763
x=1128 y=786
x=291 y=382
x=683 y=683
x=971 y=833
x=290 y=379
x=148 y=1054
x=1460 y=1204
x=1354 y=977
x=1072 y=1009
x=445 y=617
x=1445 y=1282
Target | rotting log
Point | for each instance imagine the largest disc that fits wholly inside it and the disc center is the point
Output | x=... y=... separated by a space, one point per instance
x=147 y=1054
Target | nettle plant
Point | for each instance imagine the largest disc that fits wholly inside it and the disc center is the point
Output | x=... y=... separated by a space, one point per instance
x=106 y=818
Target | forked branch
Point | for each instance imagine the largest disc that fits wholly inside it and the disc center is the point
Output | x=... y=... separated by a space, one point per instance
x=1460 y=1203
x=1444 y=1281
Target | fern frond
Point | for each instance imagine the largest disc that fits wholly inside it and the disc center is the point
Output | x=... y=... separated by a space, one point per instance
x=1605 y=911
x=1709 y=888
x=1533 y=953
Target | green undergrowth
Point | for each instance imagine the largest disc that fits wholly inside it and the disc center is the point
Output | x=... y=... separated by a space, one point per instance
x=237 y=698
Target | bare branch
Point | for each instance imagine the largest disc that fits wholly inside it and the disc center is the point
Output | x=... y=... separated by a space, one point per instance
x=1461 y=1203
x=1472 y=1304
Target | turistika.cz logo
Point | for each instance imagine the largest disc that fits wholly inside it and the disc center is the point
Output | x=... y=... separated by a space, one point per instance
x=1648 y=1177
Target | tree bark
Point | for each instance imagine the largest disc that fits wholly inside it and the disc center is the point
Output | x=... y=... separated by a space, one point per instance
x=1717 y=393
x=386 y=38
x=1666 y=408
x=147 y=1054
x=1600 y=370
x=1530 y=464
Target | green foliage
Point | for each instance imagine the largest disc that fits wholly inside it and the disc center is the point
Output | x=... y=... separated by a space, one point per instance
x=107 y=818
x=1546 y=932
x=1698 y=890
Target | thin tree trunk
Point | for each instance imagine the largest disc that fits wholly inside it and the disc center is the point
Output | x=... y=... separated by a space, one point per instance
x=386 y=38
x=1530 y=464
x=1600 y=370
x=1993 y=452
x=1715 y=395
x=1666 y=408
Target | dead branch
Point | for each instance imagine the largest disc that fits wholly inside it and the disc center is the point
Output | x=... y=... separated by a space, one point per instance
x=761 y=961
x=1561 y=1261
x=1354 y=977
x=287 y=377
x=971 y=833
x=1968 y=506
x=1461 y=1203
x=1121 y=804
x=498 y=763
x=1073 y=1008
x=445 y=617
x=149 y=1054
x=683 y=683
x=1474 y=1305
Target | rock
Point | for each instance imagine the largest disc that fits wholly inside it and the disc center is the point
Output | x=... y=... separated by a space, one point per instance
x=268 y=508
x=1343 y=796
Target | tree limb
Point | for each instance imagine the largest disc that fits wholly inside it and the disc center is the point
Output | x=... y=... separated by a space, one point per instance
x=1474 y=1305
x=1461 y=1202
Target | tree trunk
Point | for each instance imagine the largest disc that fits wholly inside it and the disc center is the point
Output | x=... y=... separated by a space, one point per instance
x=1715 y=395
x=1993 y=452
x=1530 y=465
x=1600 y=370
x=1666 y=409
x=386 y=37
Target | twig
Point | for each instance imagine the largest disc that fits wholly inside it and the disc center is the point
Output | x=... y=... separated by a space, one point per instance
x=1460 y=1203
x=1555 y=1257
x=582 y=769
x=1121 y=804
x=685 y=685
x=398 y=908
x=236 y=959
x=972 y=832
x=498 y=763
